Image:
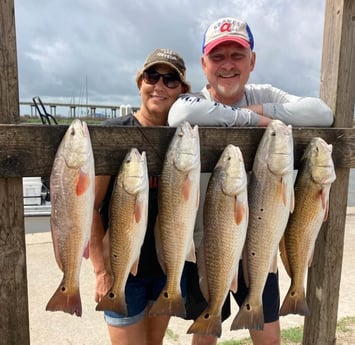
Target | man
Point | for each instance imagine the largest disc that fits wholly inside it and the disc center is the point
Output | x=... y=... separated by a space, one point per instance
x=227 y=100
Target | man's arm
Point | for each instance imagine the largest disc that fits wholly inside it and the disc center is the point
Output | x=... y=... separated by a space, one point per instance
x=293 y=110
x=306 y=111
x=198 y=110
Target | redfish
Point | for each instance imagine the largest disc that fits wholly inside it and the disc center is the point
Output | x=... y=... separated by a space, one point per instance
x=225 y=220
x=312 y=187
x=271 y=200
x=178 y=201
x=72 y=187
x=127 y=227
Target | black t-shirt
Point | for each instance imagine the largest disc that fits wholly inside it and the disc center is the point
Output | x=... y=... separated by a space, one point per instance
x=148 y=262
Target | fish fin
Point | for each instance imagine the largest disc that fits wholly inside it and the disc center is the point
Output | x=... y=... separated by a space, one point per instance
x=191 y=255
x=294 y=303
x=283 y=255
x=326 y=213
x=134 y=268
x=239 y=211
x=82 y=182
x=202 y=271
x=207 y=324
x=168 y=303
x=186 y=187
x=198 y=198
x=66 y=301
x=245 y=266
x=273 y=266
x=246 y=212
x=115 y=302
x=292 y=201
x=310 y=259
x=234 y=284
x=159 y=245
x=325 y=202
x=106 y=251
x=283 y=191
x=86 y=252
x=55 y=241
x=138 y=210
x=249 y=316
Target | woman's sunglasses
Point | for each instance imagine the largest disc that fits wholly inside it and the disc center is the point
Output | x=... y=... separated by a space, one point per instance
x=170 y=80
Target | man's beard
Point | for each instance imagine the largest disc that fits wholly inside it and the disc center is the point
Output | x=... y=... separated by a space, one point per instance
x=228 y=91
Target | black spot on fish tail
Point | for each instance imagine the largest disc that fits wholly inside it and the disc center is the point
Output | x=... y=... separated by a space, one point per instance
x=168 y=303
x=249 y=317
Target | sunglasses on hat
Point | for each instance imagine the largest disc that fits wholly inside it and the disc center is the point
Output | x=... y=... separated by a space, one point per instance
x=170 y=80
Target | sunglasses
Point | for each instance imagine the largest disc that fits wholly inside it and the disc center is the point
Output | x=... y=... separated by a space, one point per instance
x=170 y=80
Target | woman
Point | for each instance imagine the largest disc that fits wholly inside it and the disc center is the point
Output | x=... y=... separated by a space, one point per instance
x=160 y=81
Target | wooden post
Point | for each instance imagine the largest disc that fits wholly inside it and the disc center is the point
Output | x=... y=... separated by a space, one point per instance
x=14 y=320
x=338 y=90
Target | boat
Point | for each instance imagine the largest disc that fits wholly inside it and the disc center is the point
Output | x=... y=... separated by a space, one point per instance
x=37 y=205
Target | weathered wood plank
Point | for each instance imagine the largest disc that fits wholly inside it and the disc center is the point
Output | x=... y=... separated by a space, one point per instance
x=14 y=320
x=29 y=150
x=338 y=90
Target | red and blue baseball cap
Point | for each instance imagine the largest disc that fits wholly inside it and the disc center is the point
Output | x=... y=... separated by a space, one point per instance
x=227 y=29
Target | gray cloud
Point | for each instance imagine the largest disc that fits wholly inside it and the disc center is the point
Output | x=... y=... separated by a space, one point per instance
x=61 y=44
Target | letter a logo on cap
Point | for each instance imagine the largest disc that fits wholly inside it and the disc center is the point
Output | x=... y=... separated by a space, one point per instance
x=225 y=27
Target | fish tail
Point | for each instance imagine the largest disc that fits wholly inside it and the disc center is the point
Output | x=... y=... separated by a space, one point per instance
x=207 y=324
x=250 y=317
x=168 y=304
x=113 y=302
x=294 y=303
x=66 y=301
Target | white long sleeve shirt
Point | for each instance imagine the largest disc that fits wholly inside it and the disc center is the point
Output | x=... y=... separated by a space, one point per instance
x=202 y=110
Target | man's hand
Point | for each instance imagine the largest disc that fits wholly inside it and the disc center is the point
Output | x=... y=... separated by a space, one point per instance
x=256 y=108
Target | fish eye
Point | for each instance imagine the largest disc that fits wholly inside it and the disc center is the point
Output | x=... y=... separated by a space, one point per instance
x=72 y=132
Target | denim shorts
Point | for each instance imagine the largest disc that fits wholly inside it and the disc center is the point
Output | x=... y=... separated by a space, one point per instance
x=195 y=302
x=140 y=293
x=270 y=297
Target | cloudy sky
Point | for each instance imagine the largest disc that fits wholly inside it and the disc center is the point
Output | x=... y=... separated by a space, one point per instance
x=68 y=49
